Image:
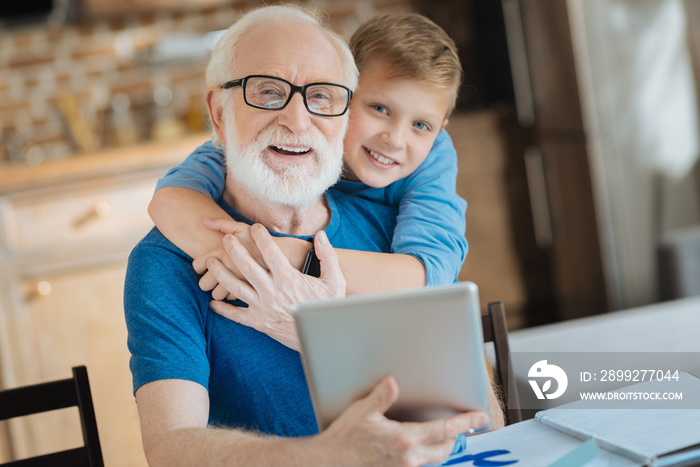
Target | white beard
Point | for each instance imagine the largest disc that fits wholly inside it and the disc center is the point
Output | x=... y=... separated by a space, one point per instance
x=292 y=185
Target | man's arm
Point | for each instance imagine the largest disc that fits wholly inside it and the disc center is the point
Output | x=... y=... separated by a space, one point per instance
x=173 y=416
x=174 y=428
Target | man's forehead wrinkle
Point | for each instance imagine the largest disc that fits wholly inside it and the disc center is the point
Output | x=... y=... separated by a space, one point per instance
x=301 y=54
x=305 y=66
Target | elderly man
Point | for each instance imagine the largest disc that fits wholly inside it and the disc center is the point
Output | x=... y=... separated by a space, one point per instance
x=214 y=392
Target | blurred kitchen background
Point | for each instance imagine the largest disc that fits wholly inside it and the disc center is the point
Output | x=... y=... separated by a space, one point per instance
x=576 y=131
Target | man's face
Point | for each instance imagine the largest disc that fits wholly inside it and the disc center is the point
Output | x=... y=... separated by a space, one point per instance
x=286 y=157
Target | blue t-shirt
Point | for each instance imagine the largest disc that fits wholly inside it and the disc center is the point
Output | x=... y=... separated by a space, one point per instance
x=430 y=223
x=254 y=382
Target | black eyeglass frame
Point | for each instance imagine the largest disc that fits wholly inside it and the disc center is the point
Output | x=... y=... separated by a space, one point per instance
x=294 y=88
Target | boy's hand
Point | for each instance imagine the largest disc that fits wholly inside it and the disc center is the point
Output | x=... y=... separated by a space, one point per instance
x=270 y=291
x=208 y=281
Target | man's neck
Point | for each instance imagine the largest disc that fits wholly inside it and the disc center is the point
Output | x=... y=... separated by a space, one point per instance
x=289 y=220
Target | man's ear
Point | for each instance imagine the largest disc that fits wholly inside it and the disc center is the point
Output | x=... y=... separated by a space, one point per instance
x=216 y=113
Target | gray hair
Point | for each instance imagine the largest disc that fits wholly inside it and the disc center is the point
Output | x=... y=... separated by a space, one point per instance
x=220 y=64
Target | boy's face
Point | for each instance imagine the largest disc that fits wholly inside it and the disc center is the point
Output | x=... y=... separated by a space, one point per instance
x=393 y=124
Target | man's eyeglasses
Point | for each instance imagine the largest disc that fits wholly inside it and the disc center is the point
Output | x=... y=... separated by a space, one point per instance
x=270 y=93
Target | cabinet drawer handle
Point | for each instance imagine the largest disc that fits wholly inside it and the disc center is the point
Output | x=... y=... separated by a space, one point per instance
x=41 y=289
x=539 y=198
x=100 y=209
x=520 y=67
x=44 y=288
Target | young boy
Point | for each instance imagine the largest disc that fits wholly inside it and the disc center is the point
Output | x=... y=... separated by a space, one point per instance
x=396 y=152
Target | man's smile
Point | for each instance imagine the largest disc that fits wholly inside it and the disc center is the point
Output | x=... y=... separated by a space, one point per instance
x=290 y=150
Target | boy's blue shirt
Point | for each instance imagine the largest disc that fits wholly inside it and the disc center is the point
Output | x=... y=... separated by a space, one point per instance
x=430 y=224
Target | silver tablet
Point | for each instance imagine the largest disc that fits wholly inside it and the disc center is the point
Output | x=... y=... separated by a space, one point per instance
x=430 y=339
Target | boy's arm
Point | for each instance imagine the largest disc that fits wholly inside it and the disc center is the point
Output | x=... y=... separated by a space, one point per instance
x=431 y=221
x=185 y=196
x=367 y=271
x=188 y=218
x=364 y=271
x=178 y=214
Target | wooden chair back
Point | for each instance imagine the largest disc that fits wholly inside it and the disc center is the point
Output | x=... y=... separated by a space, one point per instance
x=54 y=395
x=495 y=330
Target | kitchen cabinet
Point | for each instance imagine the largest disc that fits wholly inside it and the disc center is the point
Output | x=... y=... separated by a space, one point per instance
x=67 y=229
x=558 y=158
x=77 y=320
x=503 y=258
x=574 y=249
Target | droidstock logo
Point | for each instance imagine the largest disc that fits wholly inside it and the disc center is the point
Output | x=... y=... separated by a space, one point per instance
x=542 y=370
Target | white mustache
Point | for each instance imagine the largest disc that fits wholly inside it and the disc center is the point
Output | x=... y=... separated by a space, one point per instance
x=275 y=135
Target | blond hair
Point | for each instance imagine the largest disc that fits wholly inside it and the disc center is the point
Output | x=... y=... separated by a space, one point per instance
x=413 y=46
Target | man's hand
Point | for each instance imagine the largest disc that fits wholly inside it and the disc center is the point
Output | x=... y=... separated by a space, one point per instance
x=208 y=281
x=271 y=290
x=366 y=437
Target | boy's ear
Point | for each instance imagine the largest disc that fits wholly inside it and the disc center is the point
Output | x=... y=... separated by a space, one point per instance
x=444 y=124
x=216 y=113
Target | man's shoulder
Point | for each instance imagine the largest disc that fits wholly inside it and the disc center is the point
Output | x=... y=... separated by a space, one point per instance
x=154 y=239
x=161 y=274
x=154 y=249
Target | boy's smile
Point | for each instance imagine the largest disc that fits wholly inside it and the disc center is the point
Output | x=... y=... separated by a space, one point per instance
x=379 y=159
x=393 y=124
